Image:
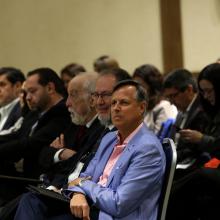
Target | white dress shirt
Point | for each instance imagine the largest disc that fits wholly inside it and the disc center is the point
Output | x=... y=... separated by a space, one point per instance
x=5 y=111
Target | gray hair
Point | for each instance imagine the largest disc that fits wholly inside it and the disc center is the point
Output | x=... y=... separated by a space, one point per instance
x=90 y=81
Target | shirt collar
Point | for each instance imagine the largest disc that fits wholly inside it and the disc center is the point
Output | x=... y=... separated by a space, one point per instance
x=191 y=103
x=7 y=108
x=88 y=125
x=110 y=127
x=130 y=136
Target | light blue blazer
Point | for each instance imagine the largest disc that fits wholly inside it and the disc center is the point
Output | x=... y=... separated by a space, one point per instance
x=134 y=185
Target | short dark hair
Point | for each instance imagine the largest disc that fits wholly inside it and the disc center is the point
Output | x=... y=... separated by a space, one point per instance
x=119 y=74
x=180 y=79
x=47 y=75
x=72 y=69
x=13 y=75
x=141 y=94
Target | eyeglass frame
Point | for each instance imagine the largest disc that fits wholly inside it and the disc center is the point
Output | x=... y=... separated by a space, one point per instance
x=207 y=91
x=102 y=95
x=174 y=95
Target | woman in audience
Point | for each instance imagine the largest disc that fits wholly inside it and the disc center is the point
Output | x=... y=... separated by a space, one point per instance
x=196 y=195
x=159 y=109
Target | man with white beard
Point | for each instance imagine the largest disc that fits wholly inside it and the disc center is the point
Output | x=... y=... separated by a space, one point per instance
x=82 y=133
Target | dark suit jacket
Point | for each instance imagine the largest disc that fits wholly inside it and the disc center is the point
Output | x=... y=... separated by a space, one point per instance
x=196 y=120
x=49 y=126
x=13 y=117
x=211 y=139
x=58 y=172
x=46 y=158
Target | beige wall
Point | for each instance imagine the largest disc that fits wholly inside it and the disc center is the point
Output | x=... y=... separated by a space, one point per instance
x=36 y=33
x=201 y=32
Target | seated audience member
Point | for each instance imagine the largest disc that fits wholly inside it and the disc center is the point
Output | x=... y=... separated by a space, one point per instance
x=102 y=98
x=106 y=81
x=11 y=80
x=70 y=71
x=13 y=131
x=199 y=191
x=126 y=172
x=45 y=93
x=159 y=110
x=81 y=135
x=24 y=112
x=105 y=62
x=181 y=89
x=28 y=116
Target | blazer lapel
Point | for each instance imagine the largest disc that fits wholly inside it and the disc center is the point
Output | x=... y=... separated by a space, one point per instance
x=126 y=154
x=122 y=159
x=104 y=158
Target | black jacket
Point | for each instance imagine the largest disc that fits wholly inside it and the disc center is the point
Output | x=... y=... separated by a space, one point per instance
x=49 y=126
x=59 y=171
x=196 y=120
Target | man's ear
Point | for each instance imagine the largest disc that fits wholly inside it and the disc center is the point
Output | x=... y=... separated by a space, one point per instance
x=91 y=101
x=50 y=87
x=17 y=87
x=143 y=107
x=189 y=88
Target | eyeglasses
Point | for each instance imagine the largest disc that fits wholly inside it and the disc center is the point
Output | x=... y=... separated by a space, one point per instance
x=207 y=91
x=102 y=95
x=172 y=96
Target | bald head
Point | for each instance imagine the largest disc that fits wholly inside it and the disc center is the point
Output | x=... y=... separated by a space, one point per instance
x=80 y=102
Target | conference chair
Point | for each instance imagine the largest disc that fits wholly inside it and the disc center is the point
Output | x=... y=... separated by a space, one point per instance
x=165 y=130
x=171 y=158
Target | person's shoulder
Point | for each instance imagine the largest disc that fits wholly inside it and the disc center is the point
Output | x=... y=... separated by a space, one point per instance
x=145 y=137
x=163 y=104
x=17 y=107
x=197 y=104
x=108 y=138
x=110 y=135
x=59 y=109
x=166 y=107
x=96 y=125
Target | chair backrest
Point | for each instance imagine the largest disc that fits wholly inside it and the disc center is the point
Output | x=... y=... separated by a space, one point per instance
x=164 y=132
x=171 y=158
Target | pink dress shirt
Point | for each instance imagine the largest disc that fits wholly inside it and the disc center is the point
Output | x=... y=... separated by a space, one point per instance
x=118 y=149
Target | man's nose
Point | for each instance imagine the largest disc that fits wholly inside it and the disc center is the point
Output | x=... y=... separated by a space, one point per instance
x=28 y=96
x=116 y=106
x=68 y=103
x=100 y=100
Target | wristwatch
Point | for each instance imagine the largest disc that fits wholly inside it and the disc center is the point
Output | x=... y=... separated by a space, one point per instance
x=82 y=180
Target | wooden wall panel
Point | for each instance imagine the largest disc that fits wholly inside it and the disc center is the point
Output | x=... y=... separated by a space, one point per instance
x=172 y=51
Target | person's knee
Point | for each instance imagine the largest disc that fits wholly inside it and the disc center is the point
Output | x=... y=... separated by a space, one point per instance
x=28 y=198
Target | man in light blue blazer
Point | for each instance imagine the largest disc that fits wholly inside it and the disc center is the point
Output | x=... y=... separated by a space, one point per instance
x=133 y=186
